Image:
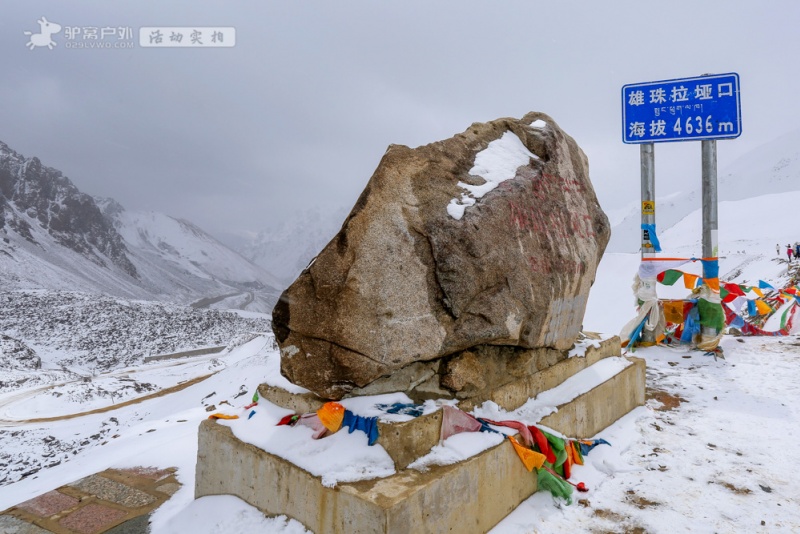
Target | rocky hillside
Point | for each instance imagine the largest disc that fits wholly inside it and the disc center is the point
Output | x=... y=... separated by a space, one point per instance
x=32 y=194
x=102 y=333
x=53 y=236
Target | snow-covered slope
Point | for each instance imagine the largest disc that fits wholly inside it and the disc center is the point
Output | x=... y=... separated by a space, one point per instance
x=771 y=168
x=175 y=257
x=749 y=229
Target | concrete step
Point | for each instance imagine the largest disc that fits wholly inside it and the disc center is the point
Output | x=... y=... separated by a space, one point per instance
x=471 y=496
x=407 y=441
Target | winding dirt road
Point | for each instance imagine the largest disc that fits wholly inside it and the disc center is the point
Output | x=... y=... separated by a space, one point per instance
x=13 y=399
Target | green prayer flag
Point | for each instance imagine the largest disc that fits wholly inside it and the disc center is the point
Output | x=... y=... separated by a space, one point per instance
x=785 y=316
x=556 y=486
x=671 y=276
x=711 y=314
x=557 y=444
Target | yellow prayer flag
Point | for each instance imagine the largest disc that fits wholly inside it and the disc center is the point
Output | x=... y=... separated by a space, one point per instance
x=763 y=307
x=530 y=458
x=673 y=311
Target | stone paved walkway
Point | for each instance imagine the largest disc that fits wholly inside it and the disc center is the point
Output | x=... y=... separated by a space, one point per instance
x=116 y=501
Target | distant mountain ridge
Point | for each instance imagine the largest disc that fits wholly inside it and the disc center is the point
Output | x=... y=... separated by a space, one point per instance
x=53 y=236
x=773 y=167
x=288 y=248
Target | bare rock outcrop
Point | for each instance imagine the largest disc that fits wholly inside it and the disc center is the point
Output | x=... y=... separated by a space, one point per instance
x=489 y=238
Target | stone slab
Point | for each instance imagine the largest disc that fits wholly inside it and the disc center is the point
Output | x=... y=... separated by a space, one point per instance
x=93 y=518
x=115 y=500
x=137 y=525
x=14 y=525
x=113 y=491
x=50 y=503
x=471 y=496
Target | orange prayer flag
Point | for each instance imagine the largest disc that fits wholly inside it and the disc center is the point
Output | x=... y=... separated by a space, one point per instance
x=222 y=416
x=713 y=283
x=690 y=280
x=530 y=458
x=576 y=458
x=331 y=415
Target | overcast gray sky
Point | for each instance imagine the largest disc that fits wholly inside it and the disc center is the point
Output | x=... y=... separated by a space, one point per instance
x=301 y=110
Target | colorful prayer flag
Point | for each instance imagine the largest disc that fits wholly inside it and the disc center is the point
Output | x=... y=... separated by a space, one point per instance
x=690 y=280
x=530 y=458
x=331 y=415
x=763 y=308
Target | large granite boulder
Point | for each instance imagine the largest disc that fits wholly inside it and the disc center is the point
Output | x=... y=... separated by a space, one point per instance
x=491 y=237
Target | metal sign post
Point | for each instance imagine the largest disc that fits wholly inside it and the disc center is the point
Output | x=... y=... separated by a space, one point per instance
x=647 y=154
x=705 y=108
x=710 y=223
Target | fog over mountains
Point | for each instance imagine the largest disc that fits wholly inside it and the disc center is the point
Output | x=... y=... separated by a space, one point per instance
x=288 y=248
x=53 y=236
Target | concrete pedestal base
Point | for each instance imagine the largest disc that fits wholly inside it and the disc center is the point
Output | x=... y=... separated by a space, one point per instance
x=471 y=496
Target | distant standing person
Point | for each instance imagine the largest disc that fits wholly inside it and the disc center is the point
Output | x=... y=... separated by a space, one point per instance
x=778 y=249
x=789 y=252
x=797 y=249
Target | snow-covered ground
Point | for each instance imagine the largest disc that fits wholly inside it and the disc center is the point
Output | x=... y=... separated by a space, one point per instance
x=710 y=452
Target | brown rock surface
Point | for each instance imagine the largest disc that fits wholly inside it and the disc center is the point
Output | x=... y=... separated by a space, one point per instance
x=431 y=261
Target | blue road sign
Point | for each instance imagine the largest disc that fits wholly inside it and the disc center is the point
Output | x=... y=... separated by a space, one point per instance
x=686 y=109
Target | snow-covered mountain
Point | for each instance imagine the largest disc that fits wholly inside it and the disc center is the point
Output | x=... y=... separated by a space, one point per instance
x=173 y=256
x=53 y=236
x=771 y=168
x=288 y=248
